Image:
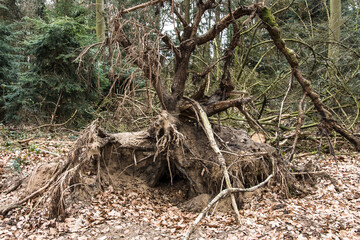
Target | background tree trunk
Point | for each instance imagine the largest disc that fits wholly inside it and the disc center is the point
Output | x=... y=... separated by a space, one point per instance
x=335 y=23
x=187 y=10
x=100 y=20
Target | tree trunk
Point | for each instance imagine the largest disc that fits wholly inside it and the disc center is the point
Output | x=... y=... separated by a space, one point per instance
x=100 y=20
x=40 y=8
x=179 y=79
x=187 y=10
x=334 y=29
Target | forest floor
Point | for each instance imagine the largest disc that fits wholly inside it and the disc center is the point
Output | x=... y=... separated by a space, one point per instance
x=330 y=209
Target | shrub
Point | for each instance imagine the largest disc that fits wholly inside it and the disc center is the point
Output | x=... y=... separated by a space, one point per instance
x=52 y=81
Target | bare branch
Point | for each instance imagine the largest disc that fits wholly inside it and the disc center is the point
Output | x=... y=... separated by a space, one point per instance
x=273 y=29
x=198 y=76
x=146 y=58
x=143 y=5
x=223 y=105
x=224 y=23
x=56 y=124
x=202 y=7
x=251 y=121
x=300 y=121
x=166 y=39
x=182 y=20
x=281 y=109
x=216 y=107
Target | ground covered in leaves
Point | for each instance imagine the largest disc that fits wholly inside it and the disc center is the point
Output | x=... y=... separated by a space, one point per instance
x=329 y=210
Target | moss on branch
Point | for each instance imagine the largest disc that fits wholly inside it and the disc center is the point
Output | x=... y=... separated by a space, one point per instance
x=268 y=17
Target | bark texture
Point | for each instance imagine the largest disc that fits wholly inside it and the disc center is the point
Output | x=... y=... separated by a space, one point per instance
x=100 y=20
x=335 y=22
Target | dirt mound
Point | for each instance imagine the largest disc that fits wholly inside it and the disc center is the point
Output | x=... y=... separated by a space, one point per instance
x=40 y=176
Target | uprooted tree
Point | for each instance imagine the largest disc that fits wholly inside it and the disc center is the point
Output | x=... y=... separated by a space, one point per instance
x=181 y=141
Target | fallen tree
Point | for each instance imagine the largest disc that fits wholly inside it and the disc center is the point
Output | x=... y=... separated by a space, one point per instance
x=181 y=142
x=169 y=149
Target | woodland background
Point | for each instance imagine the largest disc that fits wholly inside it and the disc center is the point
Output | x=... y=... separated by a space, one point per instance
x=64 y=64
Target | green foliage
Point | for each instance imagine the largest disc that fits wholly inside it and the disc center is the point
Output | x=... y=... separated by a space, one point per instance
x=74 y=10
x=3 y=7
x=8 y=66
x=6 y=59
x=65 y=8
x=9 y=10
x=53 y=77
x=33 y=148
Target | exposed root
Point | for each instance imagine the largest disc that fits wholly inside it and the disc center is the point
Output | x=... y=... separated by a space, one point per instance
x=220 y=158
x=167 y=149
x=166 y=133
x=6 y=209
x=167 y=136
x=86 y=150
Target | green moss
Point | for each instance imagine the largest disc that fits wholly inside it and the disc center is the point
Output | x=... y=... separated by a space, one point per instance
x=307 y=83
x=267 y=17
x=292 y=55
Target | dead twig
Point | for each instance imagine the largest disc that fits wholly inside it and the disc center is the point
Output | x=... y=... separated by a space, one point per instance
x=55 y=110
x=221 y=195
x=25 y=140
x=299 y=123
x=311 y=173
x=55 y=125
x=281 y=111
x=142 y=6
x=46 y=151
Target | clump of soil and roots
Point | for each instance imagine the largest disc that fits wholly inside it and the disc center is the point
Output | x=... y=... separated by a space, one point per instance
x=210 y=161
x=168 y=151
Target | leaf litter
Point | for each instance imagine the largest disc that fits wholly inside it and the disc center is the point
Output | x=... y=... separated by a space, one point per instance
x=329 y=210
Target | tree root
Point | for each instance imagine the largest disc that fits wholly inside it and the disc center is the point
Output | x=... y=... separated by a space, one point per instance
x=170 y=144
x=87 y=153
x=6 y=209
x=220 y=158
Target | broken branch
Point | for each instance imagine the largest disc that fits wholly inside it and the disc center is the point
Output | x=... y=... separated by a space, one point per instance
x=150 y=3
x=221 y=195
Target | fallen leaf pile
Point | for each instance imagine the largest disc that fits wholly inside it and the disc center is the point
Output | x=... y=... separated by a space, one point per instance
x=331 y=209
